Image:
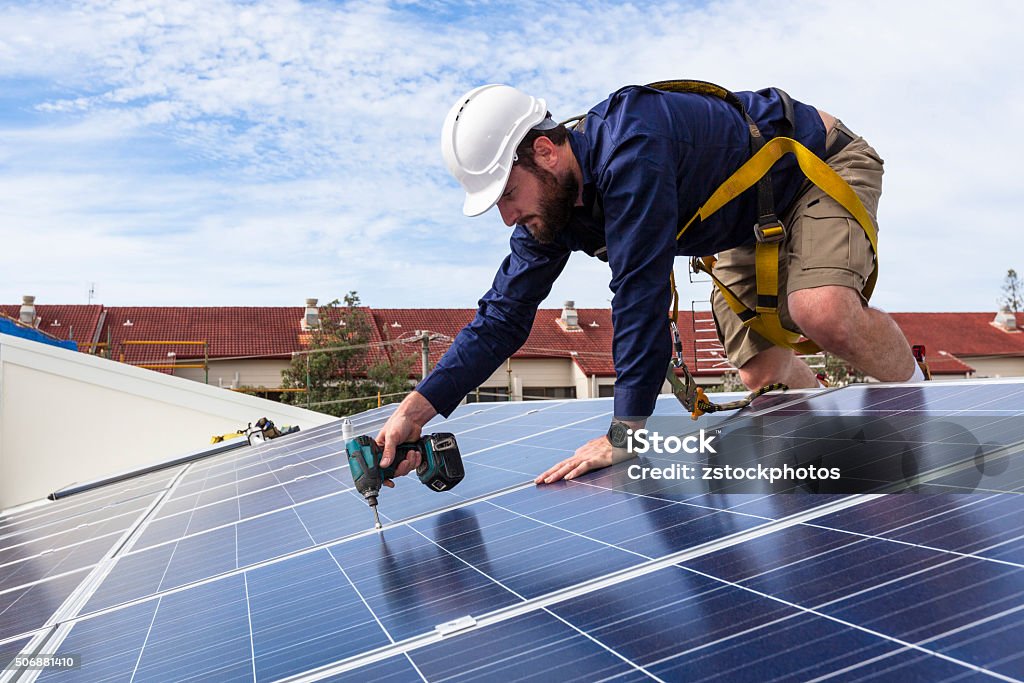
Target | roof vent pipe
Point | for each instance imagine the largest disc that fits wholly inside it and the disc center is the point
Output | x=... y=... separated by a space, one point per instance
x=570 y=318
x=27 y=314
x=1005 y=320
x=311 y=318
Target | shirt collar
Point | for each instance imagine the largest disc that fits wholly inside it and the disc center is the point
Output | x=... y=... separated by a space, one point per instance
x=581 y=149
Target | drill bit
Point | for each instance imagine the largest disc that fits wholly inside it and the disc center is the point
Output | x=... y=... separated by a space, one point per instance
x=376 y=518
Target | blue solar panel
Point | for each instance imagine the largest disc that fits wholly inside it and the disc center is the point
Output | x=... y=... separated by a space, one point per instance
x=647 y=526
x=306 y=613
x=133 y=576
x=994 y=645
x=261 y=563
x=398 y=669
x=9 y=650
x=535 y=646
x=27 y=607
x=813 y=647
x=412 y=584
x=965 y=523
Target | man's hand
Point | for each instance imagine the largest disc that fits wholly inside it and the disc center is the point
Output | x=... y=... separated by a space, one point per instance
x=593 y=455
x=404 y=425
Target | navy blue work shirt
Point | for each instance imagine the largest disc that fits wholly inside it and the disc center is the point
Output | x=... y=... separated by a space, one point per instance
x=652 y=158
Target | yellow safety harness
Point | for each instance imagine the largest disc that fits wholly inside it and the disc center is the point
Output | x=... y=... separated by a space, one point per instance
x=770 y=233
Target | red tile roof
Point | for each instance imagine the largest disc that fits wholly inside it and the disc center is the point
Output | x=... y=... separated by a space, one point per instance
x=230 y=332
x=590 y=347
x=961 y=334
x=945 y=363
x=395 y=324
x=76 y=322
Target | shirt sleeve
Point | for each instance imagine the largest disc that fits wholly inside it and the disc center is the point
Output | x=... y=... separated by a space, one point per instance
x=640 y=193
x=503 y=321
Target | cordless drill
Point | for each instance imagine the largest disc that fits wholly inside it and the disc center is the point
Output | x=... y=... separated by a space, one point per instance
x=440 y=466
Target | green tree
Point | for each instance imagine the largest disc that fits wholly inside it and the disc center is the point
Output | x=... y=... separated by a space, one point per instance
x=731 y=381
x=344 y=371
x=839 y=373
x=1013 y=292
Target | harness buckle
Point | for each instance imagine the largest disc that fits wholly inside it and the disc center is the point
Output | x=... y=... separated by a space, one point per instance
x=770 y=231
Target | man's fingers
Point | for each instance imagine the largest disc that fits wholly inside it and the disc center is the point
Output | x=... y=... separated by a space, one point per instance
x=411 y=462
x=560 y=470
x=581 y=468
x=390 y=484
x=546 y=477
x=543 y=475
x=389 y=452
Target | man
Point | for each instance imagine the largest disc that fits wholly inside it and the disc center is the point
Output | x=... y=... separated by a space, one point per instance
x=621 y=189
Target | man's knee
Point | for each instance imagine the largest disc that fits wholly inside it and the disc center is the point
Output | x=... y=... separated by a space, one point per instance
x=831 y=316
x=767 y=367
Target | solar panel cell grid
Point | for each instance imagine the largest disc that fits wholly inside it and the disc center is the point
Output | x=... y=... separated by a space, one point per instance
x=535 y=646
x=261 y=563
x=412 y=584
x=133 y=576
x=10 y=650
x=66 y=559
x=28 y=607
x=306 y=613
x=70 y=514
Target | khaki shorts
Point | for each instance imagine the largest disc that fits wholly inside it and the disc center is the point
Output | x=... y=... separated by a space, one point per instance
x=824 y=246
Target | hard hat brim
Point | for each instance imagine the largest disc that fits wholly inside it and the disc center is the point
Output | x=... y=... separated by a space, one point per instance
x=480 y=202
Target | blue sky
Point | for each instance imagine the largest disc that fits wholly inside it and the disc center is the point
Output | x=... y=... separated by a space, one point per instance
x=206 y=152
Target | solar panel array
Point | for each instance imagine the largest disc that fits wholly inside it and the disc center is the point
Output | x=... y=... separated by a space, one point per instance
x=262 y=564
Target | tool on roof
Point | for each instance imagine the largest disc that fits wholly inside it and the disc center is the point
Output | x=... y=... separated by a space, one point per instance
x=219 y=438
x=440 y=466
x=919 y=356
x=264 y=430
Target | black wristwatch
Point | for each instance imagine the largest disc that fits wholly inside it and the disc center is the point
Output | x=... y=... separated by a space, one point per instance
x=617 y=435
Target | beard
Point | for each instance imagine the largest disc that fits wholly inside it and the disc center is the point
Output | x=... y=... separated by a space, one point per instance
x=558 y=197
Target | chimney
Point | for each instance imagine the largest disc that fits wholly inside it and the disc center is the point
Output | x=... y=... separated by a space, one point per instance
x=1005 y=320
x=27 y=314
x=311 y=318
x=570 y=319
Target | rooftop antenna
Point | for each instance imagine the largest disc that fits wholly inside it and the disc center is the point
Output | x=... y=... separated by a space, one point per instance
x=92 y=291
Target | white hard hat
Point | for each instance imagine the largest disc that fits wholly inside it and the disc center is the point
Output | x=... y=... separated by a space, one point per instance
x=479 y=140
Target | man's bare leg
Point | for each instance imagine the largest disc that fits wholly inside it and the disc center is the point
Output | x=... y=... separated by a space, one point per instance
x=836 y=319
x=777 y=365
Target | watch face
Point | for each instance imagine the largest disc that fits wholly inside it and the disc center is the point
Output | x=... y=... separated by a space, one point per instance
x=617 y=434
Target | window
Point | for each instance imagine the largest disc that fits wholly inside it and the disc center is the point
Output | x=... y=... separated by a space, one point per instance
x=543 y=393
x=487 y=395
x=605 y=390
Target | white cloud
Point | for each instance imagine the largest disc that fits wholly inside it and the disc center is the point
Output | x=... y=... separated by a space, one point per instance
x=245 y=153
